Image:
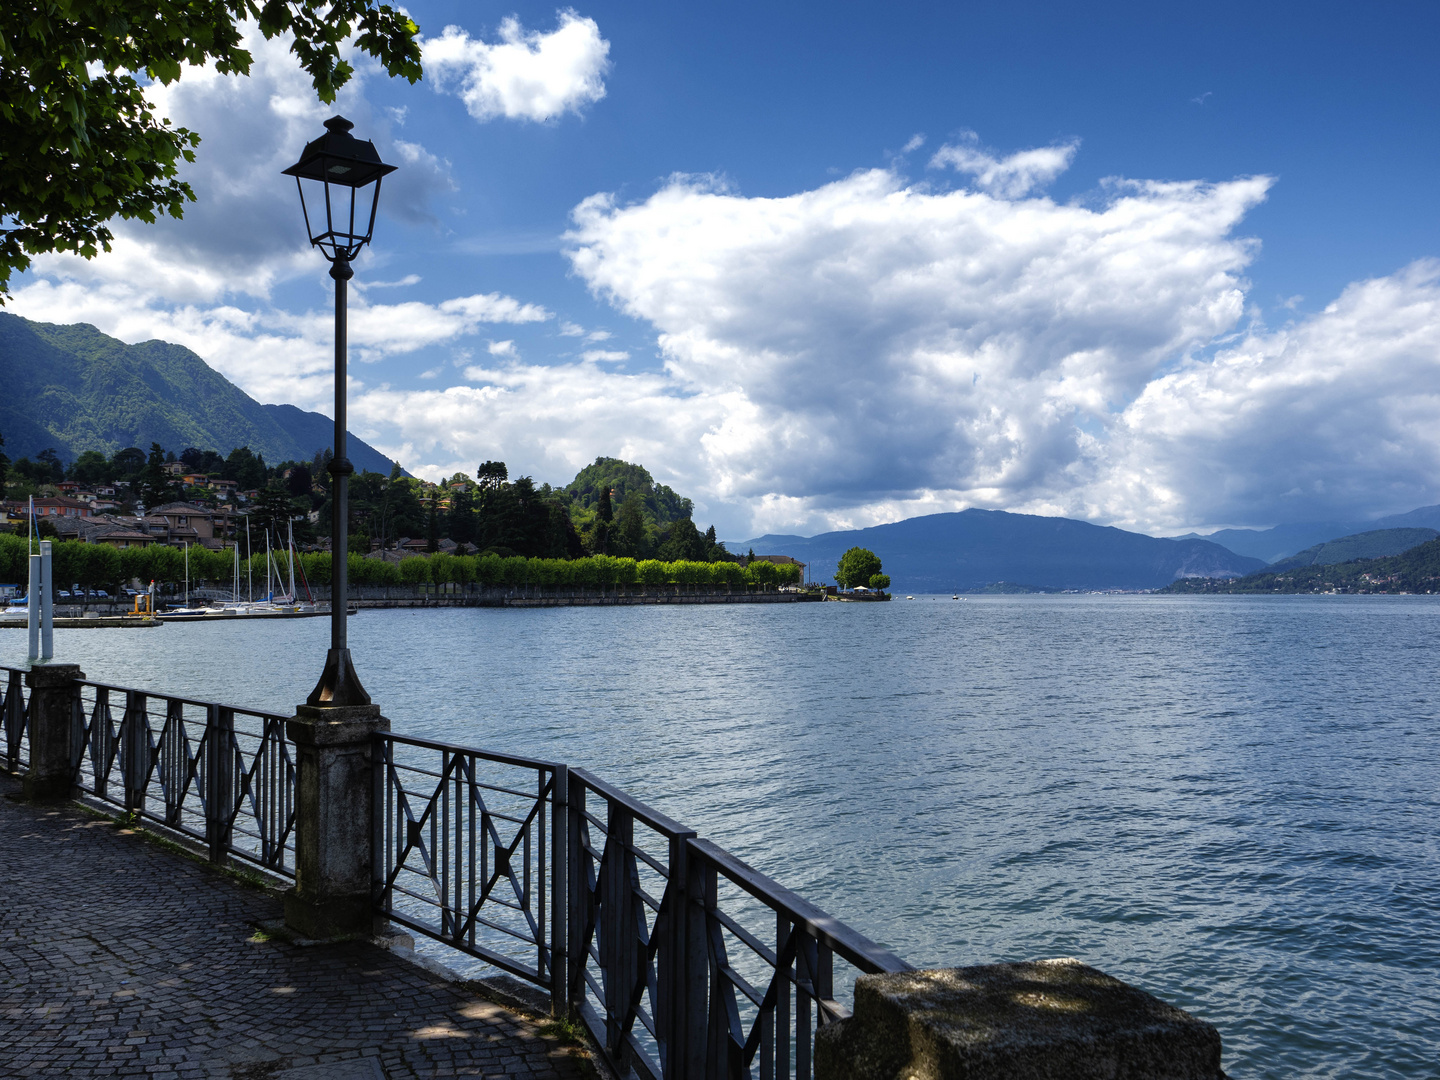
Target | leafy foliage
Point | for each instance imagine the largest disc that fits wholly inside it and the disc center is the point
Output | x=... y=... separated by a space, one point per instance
x=857 y=566
x=82 y=144
x=99 y=566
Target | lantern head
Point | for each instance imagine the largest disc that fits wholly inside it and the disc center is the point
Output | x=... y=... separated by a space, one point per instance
x=342 y=166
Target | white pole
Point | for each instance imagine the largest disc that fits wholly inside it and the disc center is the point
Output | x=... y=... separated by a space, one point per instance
x=291 y=544
x=249 y=551
x=187 y=573
x=47 y=604
x=269 y=589
x=32 y=611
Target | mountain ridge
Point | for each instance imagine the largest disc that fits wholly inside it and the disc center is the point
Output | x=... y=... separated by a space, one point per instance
x=970 y=549
x=72 y=388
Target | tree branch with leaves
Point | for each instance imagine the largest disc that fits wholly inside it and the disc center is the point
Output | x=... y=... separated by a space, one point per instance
x=82 y=144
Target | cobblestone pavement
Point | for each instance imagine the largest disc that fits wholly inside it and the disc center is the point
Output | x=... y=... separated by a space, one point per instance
x=119 y=958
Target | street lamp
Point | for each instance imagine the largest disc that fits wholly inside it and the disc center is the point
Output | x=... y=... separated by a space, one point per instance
x=342 y=166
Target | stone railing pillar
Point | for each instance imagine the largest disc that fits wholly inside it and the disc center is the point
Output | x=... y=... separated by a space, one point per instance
x=1048 y=1018
x=53 y=701
x=333 y=819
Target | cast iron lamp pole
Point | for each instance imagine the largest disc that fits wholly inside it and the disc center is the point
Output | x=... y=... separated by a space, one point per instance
x=337 y=160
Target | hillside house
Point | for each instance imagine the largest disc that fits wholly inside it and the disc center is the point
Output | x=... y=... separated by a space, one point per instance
x=62 y=506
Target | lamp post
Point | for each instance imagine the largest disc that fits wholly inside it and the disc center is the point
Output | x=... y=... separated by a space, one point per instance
x=340 y=166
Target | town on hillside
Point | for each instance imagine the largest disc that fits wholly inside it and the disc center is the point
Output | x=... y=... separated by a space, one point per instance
x=199 y=498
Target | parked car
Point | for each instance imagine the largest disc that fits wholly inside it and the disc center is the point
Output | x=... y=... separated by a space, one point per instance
x=100 y=594
x=64 y=594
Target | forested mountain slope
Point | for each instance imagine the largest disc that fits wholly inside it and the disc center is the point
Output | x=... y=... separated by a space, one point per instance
x=72 y=388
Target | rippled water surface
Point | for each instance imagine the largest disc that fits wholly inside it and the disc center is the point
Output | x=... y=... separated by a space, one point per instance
x=1231 y=802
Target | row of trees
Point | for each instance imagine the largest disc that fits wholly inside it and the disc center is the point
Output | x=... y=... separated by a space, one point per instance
x=98 y=566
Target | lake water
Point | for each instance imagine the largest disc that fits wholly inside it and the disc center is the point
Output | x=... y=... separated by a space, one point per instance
x=1229 y=801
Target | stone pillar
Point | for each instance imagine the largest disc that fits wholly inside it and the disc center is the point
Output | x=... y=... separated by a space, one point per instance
x=1044 y=1019
x=333 y=818
x=52 y=730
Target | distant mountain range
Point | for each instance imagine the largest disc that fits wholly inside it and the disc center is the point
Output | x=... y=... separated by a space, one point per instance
x=72 y=388
x=1376 y=544
x=1415 y=570
x=1285 y=540
x=966 y=551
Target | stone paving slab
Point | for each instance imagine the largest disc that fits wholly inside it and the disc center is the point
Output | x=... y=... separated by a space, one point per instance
x=119 y=958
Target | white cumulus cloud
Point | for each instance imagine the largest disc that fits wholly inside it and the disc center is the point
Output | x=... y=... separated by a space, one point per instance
x=881 y=346
x=1331 y=417
x=1010 y=177
x=527 y=75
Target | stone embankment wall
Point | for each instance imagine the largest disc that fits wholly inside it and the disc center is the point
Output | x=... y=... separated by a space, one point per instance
x=412 y=596
x=383 y=596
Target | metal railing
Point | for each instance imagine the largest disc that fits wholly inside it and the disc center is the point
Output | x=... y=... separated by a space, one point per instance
x=463 y=852
x=220 y=775
x=686 y=962
x=681 y=960
x=15 y=717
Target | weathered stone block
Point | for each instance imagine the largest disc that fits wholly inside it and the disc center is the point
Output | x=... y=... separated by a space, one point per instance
x=1042 y=1020
x=333 y=785
x=52 y=730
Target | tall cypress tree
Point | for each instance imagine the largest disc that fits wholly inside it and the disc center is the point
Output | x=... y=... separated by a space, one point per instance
x=604 y=515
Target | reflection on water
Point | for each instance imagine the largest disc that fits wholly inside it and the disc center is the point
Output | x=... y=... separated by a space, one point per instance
x=1229 y=801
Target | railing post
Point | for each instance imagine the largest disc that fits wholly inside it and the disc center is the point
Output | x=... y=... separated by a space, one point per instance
x=559 y=892
x=219 y=779
x=135 y=750
x=14 y=719
x=670 y=964
x=696 y=966
x=578 y=883
x=53 y=688
x=617 y=944
x=334 y=819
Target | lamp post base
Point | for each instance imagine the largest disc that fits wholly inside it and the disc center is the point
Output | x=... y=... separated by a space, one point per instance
x=339 y=686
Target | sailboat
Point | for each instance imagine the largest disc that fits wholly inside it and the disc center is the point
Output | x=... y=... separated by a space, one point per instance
x=268 y=606
x=185 y=609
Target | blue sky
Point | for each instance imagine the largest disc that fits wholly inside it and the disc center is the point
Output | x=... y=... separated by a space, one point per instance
x=830 y=265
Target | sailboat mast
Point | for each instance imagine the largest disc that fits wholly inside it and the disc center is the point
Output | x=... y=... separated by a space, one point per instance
x=291 y=545
x=187 y=573
x=249 y=570
x=269 y=588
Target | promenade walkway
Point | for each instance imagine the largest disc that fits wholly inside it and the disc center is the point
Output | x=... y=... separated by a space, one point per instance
x=119 y=958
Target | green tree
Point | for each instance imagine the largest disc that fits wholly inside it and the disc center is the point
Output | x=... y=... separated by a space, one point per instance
x=49 y=468
x=432 y=522
x=604 y=516
x=628 y=538
x=685 y=542
x=879 y=581
x=857 y=566
x=91 y=467
x=460 y=521
x=128 y=462
x=272 y=513
x=246 y=468
x=299 y=482
x=82 y=144
x=154 y=485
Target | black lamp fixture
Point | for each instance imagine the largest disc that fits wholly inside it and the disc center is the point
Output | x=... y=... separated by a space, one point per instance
x=343 y=166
